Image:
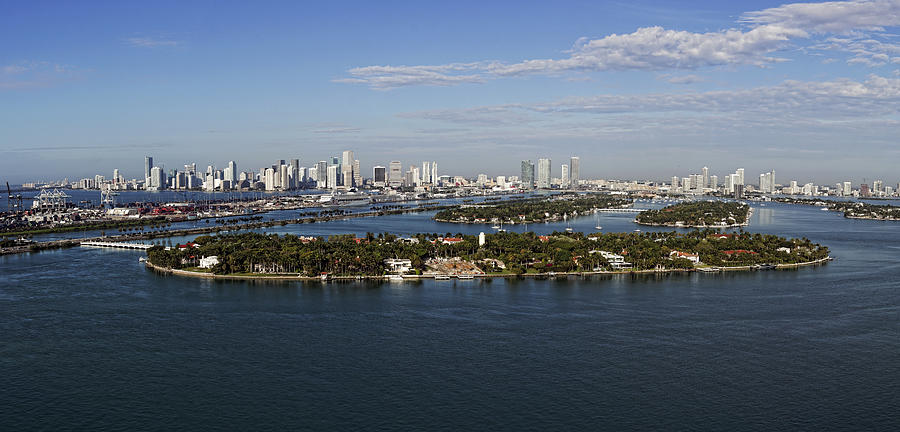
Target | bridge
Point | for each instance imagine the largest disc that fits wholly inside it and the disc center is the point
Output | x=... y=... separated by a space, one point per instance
x=117 y=245
x=620 y=210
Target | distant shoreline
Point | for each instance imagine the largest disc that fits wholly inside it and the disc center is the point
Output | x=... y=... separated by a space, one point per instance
x=675 y=225
x=298 y=277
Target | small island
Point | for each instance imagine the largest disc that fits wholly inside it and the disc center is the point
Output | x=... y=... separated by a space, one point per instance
x=698 y=214
x=505 y=254
x=532 y=210
x=851 y=209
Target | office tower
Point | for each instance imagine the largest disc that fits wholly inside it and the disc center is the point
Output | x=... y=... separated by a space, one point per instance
x=395 y=175
x=434 y=175
x=285 y=179
x=332 y=174
x=543 y=173
x=863 y=190
x=116 y=179
x=322 y=174
x=347 y=168
x=379 y=178
x=705 y=178
x=527 y=179
x=564 y=175
x=574 y=171
x=426 y=172
x=295 y=164
x=335 y=160
x=357 y=174
x=270 y=179
x=148 y=165
x=230 y=172
x=157 y=178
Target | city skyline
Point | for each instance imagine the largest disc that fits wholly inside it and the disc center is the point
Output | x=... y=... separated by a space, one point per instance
x=643 y=90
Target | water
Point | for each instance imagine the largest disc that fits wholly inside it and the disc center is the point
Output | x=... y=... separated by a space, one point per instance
x=89 y=339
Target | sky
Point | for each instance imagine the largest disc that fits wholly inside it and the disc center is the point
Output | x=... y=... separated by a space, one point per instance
x=636 y=89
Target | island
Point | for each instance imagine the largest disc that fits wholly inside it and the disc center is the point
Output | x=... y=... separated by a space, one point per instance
x=532 y=210
x=504 y=254
x=851 y=209
x=698 y=214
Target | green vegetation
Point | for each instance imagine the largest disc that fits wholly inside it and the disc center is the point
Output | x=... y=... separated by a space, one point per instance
x=121 y=225
x=344 y=255
x=851 y=209
x=698 y=214
x=532 y=210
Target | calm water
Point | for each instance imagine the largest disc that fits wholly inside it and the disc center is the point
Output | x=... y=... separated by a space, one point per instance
x=91 y=340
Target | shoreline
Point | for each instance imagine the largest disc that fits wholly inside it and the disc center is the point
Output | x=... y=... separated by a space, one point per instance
x=298 y=277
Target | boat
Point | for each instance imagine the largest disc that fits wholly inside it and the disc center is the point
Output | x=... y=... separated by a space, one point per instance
x=142 y=259
x=395 y=278
x=637 y=230
x=598 y=227
x=500 y=228
x=442 y=277
x=709 y=269
x=465 y=276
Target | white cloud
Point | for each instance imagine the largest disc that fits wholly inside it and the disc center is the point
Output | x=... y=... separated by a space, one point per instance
x=655 y=48
x=830 y=17
x=815 y=102
x=681 y=79
x=33 y=74
x=149 y=42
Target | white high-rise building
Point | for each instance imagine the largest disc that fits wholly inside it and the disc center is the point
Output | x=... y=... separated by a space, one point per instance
x=674 y=184
x=269 y=179
x=395 y=175
x=332 y=177
x=426 y=172
x=285 y=183
x=347 y=169
x=543 y=173
x=434 y=174
x=231 y=171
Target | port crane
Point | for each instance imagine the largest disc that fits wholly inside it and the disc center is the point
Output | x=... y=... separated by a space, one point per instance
x=13 y=202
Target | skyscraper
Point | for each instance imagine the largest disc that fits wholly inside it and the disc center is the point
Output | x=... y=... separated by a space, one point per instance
x=322 y=174
x=527 y=179
x=705 y=175
x=426 y=172
x=332 y=174
x=379 y=176
x=434 y=174
x=347 y=169
x=395 y=175
x=543 y=173
x=148 y=165
x=574 y=171
x=564 y=175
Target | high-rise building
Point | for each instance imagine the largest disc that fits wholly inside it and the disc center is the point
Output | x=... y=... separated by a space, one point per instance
x=574 y=171
x=705 y=178
x=564 y=175
x=332 y=175
x=426 y=172
x=357 y=174
x=285 y=178
x=347 y=169
x=157 y=178
x=527 y=179
x=434 y=174
x=714 y=182
x=148 y=165
x=395 y=175
x=543 y=173
x=379 y=176
x=322 y=175
x=740 y=176
x=847 y=189
x=231 y=171
x=270 y=179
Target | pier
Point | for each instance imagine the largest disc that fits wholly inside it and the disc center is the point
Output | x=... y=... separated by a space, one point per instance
x=117 y=245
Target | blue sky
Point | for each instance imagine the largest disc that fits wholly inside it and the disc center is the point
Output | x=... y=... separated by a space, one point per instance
x=638 y=89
